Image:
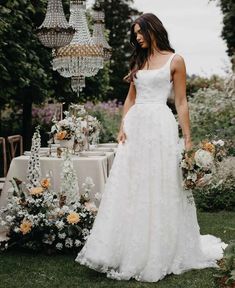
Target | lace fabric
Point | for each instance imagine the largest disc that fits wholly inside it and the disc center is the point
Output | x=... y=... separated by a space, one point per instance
x=145 y=227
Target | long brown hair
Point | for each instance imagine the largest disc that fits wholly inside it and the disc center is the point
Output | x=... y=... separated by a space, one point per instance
x=152 y=29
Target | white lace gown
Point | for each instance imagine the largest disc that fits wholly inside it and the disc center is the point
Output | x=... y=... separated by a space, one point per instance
x=145 y=227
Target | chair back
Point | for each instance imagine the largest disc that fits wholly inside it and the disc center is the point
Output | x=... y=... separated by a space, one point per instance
x=4 y=155
x=16 y=145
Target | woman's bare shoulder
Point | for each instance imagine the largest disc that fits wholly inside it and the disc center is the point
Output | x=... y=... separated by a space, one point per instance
x=178 y=62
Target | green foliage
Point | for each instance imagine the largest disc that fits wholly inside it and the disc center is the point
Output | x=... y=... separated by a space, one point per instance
x=195 y=83
x=216 y=198
x=212 y=112
x=62 y=271
x=118 y=22
x=219 y=195
x=24 y=61
x=109 y=114
x=228 y=33
x=226 y=272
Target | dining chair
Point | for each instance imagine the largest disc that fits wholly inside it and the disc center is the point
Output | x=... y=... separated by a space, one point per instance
x=16 y=145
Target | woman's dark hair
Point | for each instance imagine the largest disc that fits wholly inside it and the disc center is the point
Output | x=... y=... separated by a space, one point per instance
x=152 y=29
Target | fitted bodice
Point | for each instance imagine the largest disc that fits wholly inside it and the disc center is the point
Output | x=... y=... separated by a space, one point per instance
x=154 y=85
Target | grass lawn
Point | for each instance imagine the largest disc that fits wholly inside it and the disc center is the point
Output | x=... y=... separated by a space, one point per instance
x=24 y=269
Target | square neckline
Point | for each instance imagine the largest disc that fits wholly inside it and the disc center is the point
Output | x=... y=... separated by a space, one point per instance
x=156 y=69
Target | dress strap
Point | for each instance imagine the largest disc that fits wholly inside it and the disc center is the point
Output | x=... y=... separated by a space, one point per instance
x=170 y=58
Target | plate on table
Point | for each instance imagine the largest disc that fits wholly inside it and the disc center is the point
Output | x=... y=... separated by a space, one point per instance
x=104 y=149
x=110 y=145
x=44 y=151
x=91 y=153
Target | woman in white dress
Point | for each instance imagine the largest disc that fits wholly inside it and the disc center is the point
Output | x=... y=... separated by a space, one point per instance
x=145 y=227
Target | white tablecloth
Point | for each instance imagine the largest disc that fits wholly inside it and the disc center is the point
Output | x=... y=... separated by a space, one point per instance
x=97 y=167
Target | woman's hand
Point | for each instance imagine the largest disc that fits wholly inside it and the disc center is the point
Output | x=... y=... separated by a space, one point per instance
x=121 y=136
x=188 y=144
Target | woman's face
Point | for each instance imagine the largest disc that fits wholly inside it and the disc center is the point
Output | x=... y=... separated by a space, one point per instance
x=139 y=36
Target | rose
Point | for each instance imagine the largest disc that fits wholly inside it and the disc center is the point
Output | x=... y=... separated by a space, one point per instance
x=36 y=191
x=61 y=135
x=45 y=183
x=204 y=159
x=208 y=147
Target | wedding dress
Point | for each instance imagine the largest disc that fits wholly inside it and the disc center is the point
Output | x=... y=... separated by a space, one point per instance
x=146 y=227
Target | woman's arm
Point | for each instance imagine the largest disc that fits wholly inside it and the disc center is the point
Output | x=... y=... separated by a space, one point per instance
x=181 y=104
x=130 y=100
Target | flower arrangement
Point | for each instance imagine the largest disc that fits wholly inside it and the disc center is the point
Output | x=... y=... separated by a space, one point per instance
x=226 y=271
x=38 y=218
x=78 y=124
x=64 y=129
x=199 y=164
x=87 y=126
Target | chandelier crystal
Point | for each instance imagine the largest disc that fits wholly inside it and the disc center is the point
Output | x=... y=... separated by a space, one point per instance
x=82 y=57
x=98 y=35
x=55 y=31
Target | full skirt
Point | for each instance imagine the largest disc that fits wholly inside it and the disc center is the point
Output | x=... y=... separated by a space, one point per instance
x=146 y=226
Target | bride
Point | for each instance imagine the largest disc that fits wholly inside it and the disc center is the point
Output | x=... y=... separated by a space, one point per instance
x=145 y=227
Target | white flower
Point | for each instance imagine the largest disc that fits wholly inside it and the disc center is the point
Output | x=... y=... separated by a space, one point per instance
x=16 y=229
x=59 y=246
x=204 y=159
x=61 y=235
x=219 y=142
x=192 y=176
x=77 y=243
x=68 y=243
x=90 y=206
x=65 y=209
x=98 y=196
x=40 y=215
x=48 y=239
x=85 y=232
x=89 y=181
x=59 y=225
x=9 y=218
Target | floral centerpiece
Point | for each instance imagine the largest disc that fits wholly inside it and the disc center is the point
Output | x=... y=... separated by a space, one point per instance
x=78 y=126
x=88 y=127
x=38 y=219
x=64 y=130
x=199 y=164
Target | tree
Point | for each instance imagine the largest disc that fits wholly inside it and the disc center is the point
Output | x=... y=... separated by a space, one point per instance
x=26 y=72
x=118 y=19
x=228 y=32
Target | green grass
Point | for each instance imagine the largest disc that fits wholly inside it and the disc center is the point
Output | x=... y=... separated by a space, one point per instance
x=23 y=269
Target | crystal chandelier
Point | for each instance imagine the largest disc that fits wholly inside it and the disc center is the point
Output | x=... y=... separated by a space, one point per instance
x=77 y=83
x=98 y=33
x=82 y=57
x=55 y=31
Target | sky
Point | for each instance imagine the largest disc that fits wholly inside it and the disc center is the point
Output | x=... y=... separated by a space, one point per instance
x=194 y=28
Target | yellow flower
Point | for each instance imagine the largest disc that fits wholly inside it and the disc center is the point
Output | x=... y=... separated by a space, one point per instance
x=25 y=226
x=73 y=218
x=61 y=135
x=45 y=183
x=36 y=191
x=208 y=147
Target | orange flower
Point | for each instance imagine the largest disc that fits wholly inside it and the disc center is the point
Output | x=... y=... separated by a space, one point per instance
x=61 y=135
x=36 y=191
x=45 y=183
x=73 y=218
x=208 y=147
x=25 y=226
